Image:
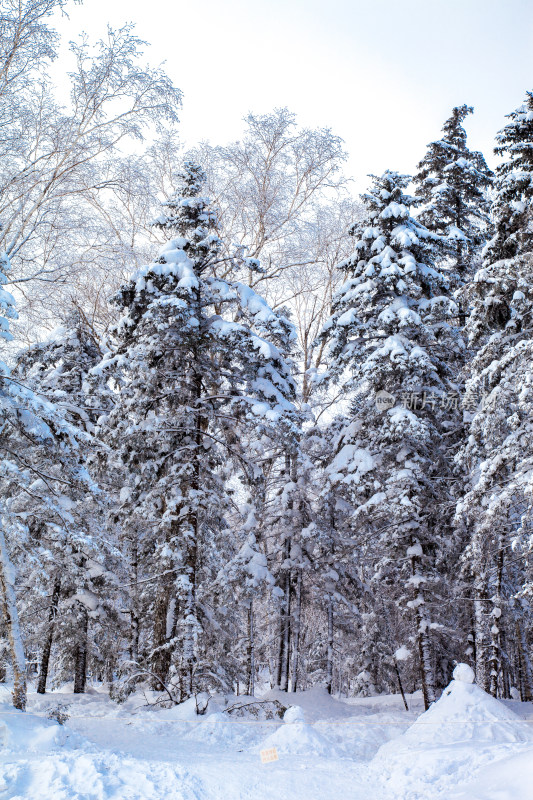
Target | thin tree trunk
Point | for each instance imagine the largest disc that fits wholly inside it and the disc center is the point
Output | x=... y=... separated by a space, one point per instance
x=11 y=618
x=284 y=612
x=495 y=660
x=480 y=627
x=134 y=613
x=80 y=652
x=422 y=637
x=424 y=652
x=47 y=648
x=480 y=615
x=189 y=609
x=526 y=683
x=286 y=636
x=296 y=628
x=329 y=663
x=397 y=670
x=251 y=651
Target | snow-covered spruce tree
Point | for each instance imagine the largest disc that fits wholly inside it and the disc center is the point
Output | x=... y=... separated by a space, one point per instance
x=58 y=368
x=390 y=333
x=497 y=460
x=496 y=456
x=512 y=209
x=43 y=482
x=451 y=184
x=195 y=362
x=71 y=584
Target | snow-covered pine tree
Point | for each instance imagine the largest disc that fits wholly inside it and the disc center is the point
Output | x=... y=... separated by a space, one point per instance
x=497 y=459
x=197 y=360
x=391 y=349
x=451 y=184
x=42 y=481
x=71 y=584
x=512 y=209
x=58 y=368
x=496 y=456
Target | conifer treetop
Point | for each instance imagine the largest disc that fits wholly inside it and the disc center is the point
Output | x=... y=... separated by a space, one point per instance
x=514 y=186
x=393 y=292
x=451 y=184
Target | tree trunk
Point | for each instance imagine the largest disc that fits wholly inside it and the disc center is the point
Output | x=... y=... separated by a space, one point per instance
x=191 y=492
x=480 y=615
x=480 y=634
x=47 y=647
x=296 y=628
x=524 y=664
x=11 y=618
x=134 y=612
x=80 y=652
x=397 y=670
x=422 y=637
x=284 y=633
x=251 y=651
x=329 y=663
x=424 y=652
x=285 y=636
x=160 y=658
x=495 y=660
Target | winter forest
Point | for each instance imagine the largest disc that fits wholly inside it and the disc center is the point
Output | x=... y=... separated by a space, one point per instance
x=256 y=429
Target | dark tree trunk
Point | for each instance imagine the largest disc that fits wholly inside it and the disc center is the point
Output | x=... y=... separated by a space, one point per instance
x=47 y=647
x=422 y=638
x=329 y=664
x=80 y=652
x=161 y=655
x=284 y=621
x=524 y=664
x=134 y=612
x=297 y=621
x=495 y=658
x=285 y=635
x=400 y=686
x=251 y=651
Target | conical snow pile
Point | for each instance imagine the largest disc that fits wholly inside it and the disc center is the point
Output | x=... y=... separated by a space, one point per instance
x=464 y=730
x=297 y=737
x=464 y=713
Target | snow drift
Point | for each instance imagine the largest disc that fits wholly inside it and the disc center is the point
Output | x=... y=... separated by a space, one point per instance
x=463 y=731
x=296 y=737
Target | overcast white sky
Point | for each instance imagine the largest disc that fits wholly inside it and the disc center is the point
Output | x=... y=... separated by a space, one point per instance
x=383 y=74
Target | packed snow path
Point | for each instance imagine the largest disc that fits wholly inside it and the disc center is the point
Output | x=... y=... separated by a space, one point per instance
x=467 y=746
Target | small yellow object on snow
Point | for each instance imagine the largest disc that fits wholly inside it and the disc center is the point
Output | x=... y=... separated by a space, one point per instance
x=271 y=754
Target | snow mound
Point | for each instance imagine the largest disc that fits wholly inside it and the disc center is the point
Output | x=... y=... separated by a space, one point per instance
x=509 y=778
x=465 y=713
x=296 y=737
x=25 y=732
x=460 y=734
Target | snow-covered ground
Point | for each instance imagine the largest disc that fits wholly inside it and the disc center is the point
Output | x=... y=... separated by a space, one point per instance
x=468 y=745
